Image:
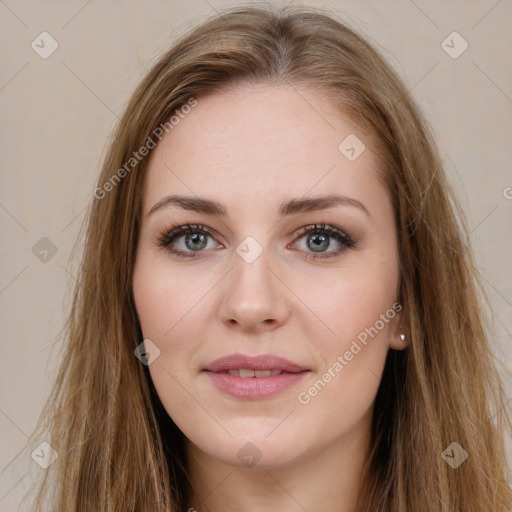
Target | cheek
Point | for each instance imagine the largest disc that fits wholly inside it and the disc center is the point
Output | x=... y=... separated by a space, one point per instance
x=347 y=303
x=166 y=300
x=359 y=306
x=352 y=359
x=173 y=308
x=357 y=309
x=166 y=305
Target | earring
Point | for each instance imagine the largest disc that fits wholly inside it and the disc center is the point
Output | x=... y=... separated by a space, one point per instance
x=402 y=337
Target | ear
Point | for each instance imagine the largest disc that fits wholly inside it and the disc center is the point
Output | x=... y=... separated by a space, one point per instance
x=399 y=333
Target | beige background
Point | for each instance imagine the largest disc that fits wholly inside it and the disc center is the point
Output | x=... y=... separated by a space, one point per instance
x=58 y=112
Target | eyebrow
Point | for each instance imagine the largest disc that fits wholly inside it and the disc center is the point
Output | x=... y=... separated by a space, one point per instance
x=291 y=207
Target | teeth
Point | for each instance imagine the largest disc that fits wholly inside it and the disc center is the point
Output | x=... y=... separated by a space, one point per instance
x=262 y=373
x=245 y=373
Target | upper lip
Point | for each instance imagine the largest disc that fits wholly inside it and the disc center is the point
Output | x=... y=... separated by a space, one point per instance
x=263 y=362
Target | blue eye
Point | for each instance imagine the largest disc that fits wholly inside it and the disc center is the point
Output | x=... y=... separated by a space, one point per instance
x=195 y=239
x=319 y=238
x=190 y=241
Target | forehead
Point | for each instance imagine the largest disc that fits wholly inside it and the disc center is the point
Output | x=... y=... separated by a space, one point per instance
x=257 y=142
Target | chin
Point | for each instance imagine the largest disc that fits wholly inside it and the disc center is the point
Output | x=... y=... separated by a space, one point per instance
x=255 y=449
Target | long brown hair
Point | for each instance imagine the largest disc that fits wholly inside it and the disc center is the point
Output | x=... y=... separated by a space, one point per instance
x=118 y=449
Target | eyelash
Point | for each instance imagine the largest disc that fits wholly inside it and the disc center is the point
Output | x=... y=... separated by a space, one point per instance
x=346 y=240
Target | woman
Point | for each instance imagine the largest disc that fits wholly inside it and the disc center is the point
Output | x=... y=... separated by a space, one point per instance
x=277 y=305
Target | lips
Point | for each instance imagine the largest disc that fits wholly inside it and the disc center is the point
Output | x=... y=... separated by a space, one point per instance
x=238 y=362
x=253 y=378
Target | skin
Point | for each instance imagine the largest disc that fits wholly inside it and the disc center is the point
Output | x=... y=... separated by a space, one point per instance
x=251 y=149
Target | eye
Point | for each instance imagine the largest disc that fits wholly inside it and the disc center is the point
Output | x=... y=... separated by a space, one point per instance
x=188 y=241
x=318 y=238
x=320 y=241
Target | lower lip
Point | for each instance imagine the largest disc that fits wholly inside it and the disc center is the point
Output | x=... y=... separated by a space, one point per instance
x=254 y=388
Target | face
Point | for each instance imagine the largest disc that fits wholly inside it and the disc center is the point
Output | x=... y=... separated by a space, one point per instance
x=273 y=310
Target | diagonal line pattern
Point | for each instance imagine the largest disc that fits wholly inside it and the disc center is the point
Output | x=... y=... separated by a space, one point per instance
x=14 y=14
x=503 y=408
x=216 y=487
x=9 y=491
x=213 y=7
x=286 y=491
x=13 y=279
x=427 y=73
x=424 y=13
x=492 y=81
x=72 y=220
x=280 y=423
x=15 y=75
x=374 y=374
x=76 y=14
x=496 y=290
x=14 y=423
x=87 y=87
x=417 y=83
x=484 y=219
x=425 y=192
x=71 y=275
x=13 y=217
x=488 y=12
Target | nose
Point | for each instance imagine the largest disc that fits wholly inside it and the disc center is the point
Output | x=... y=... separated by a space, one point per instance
x=254 y=297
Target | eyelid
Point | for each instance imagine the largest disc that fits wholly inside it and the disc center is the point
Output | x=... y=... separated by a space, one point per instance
x=344 y=238
x=177 y=230
x=326 y=228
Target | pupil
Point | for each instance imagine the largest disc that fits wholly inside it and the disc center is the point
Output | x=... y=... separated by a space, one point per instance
x=195 y=239
x=320 y=242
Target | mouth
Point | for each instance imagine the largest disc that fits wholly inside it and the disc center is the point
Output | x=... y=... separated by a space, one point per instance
x=245 y=364
x=252 y=378
x=245 y=373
